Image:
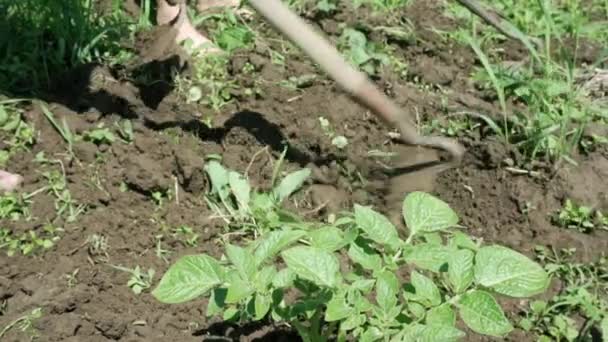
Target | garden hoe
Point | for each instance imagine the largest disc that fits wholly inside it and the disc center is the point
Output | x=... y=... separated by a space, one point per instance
x=356 y=83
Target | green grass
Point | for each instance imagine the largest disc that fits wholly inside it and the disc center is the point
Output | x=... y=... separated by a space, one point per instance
x=583 y=295
x=49 y=36
x=556 y=108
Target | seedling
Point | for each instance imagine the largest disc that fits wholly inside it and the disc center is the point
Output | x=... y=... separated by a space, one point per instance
x=581 y=218
x=30 y=241
x=125 y=131
x=13 y=207
x=24 y=323
x=583 y=295
x=187 y=235
x=100 y=135
x=364 y=300
x=20 y=135
x=139 y=281
x=361 y=52
x=232 y=198
x=339 y=141
x=63 y=129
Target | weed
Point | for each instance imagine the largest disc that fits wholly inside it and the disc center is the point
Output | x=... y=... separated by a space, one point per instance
x=125 y=130
x=139 y=281
x=19 y=134
x=187 y=235
x=233 y=200
x=24 y=323
x=30 y=241
x=97 y=246
x=458 y=276
x=65 y=205
x=581 y=218
x=63 y=129
x=361 y=52
x=382 y=5
x=100 y=135
x=339 y=141
x=584 y=294
x=48 y=37
x=557 y=111
x=13 y=207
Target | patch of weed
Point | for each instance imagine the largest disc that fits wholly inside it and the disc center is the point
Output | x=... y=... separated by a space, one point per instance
x=581 y=218
x=29 y=242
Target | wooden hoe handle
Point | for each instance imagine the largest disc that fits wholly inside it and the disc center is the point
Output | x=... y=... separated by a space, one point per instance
x=356 y=83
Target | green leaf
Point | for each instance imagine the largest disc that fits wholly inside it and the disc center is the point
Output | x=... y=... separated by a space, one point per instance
x=352 y=322
x=262 y=305
x=337 y=309
x=429 y=257
x=241 y=190
x=460 y=270
x=242 y=260
x=480 y=311
x=509 y=272
x=428 y=333
x=291 y=183
x=424 y=213
x=190 y=277
x=423 y=290
x=365 y=257
x=218 y=176
x=461 y=240
x=371 y=334
x=441 y=315
x=376 y=226
x=238 y=289
x=387 y=289
x=284 y=278
x=217 y=301
x=313 y=264
x=274 y=242
x=264 y=277
x=327 y=238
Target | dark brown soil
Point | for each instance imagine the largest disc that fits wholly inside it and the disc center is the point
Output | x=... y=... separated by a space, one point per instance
x=169 y=152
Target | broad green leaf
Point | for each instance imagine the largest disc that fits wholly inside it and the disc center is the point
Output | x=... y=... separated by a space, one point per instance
x=241 y=189
x=376 y=226
x=424 y=213
x=274 y=242
x=352 y=322
x=262 y=305
x=604 y=329
x=363 y=285
x=327 y=238
x=460 y=270
x=461 y=240
x=190 y=277
x=424 y=290
x=387 y=289
x=480 y=311
x=230 y=313
x=218 y=176
x=242 y=260
x=284 y=278
x=371 y=334
x=428 y=333
x=291 y=183
x=264 y=277
x=509 y=272
x=442 y=315
x=217 y=301
x=429 y=257
x=337 y=309
x=365 y=257
x=313 y=264
x=238 y=288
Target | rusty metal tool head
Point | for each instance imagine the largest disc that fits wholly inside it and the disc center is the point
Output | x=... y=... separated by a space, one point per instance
x=356 y=83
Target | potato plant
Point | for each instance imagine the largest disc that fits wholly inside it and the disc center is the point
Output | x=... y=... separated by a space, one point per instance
x=356 y=278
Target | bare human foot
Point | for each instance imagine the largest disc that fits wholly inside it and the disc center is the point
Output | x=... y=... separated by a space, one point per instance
x=9 y=181
x=167 y=12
